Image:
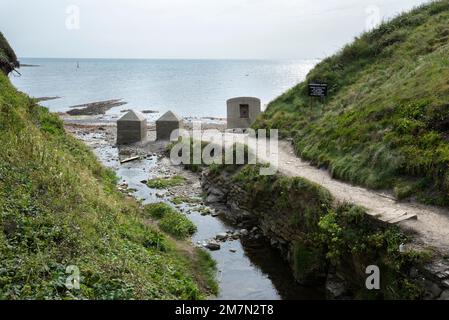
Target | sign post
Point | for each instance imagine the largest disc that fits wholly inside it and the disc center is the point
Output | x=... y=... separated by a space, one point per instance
x=318 y=89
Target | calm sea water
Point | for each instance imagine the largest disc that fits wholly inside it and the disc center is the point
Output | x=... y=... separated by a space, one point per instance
x=191 y=88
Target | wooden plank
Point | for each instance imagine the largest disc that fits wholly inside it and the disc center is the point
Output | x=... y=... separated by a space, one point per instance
x=130 y=159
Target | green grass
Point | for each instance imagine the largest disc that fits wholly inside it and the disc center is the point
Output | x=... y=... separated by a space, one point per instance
x=164 y=183
x=171 y=221
x=181 y=200
x=59 y=207
x=385 y=124
x=157 y=210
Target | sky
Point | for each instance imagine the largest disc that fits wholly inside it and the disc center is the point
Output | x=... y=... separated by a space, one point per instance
x=190 y=29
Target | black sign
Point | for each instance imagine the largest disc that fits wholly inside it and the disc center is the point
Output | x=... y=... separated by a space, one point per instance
x=317 y=89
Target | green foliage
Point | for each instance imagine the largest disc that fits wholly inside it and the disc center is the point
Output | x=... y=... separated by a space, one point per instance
x=164 y=183
x=178 y=225
x=181 y=200
x=224 y=159
x=208 y=265
x=385 y=123
x=170 y=220
x=59 y=207
x=343 y=235
x=308 y=264
x=158 y=210
x=349 y=231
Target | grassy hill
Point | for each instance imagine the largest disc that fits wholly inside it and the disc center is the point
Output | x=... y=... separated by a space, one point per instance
x=59 y=207
x=385 y=124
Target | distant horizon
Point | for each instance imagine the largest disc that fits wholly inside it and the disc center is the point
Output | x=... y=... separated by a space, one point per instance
x=190 y=29
x=171 y=59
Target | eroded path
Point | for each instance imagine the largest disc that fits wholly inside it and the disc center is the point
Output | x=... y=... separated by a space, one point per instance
x=430 y=223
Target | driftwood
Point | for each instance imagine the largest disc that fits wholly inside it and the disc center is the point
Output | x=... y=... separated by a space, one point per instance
x=130 y=159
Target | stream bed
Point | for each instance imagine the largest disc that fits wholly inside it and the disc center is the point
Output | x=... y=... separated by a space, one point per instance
x=248 y=269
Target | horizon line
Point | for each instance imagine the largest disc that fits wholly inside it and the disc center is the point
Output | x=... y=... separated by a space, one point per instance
x=198 y=59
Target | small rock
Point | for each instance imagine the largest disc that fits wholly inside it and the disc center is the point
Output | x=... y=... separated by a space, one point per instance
x=213 y=198
x=244 y=232
x=433 y=291
x=232 y=250
x=221 y=236
x=213 y=246
x=335 y=287
x=444 y=295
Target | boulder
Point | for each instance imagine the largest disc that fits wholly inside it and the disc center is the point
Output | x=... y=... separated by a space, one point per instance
x=213 y=246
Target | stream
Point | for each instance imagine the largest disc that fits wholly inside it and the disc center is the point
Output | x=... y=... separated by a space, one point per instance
x=247 y=269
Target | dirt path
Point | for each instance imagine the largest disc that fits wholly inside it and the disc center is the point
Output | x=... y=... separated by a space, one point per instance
x=430 y=223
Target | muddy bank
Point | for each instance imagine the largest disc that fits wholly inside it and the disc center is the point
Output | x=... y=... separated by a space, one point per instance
x=95 y=108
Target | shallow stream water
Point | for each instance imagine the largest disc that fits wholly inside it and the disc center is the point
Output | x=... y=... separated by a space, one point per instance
x=247 y=269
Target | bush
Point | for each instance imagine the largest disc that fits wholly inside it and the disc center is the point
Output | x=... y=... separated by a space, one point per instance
x=170 y=220
x=178 y=225
x=158 y=210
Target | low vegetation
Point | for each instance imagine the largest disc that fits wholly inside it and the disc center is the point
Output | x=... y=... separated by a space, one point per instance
x=164 y=183
x=59 y=208
x=171 y=220
x=385 y=123
x=181 y=200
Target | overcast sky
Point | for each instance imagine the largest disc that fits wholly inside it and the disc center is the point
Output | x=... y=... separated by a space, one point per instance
x=231 y=29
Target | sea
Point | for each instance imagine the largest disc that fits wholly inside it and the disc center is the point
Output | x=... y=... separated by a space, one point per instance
x=190 y=88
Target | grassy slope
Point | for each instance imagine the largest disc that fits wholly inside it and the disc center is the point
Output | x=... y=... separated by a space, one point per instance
x=59 y=207
x=386 y=121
